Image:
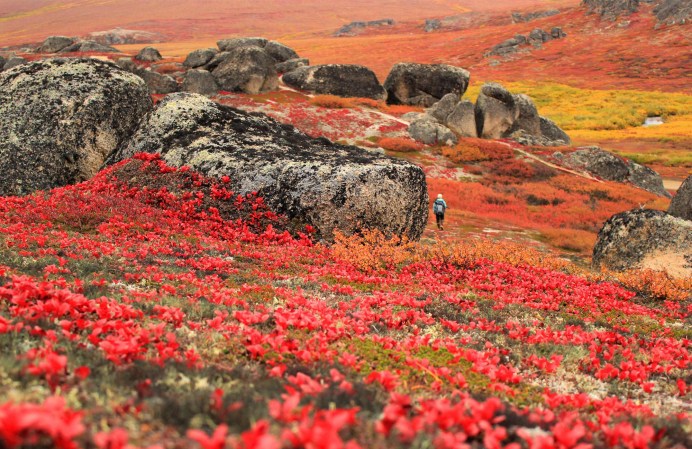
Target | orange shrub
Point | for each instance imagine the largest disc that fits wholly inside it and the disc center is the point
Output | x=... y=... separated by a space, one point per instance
x=331 y=101
x=656 y=284
x=571 y=239
x=400 y=144
x=399 y=109
x=372 y=251
x=476 y=150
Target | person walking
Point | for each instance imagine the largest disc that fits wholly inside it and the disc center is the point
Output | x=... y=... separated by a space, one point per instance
x=439 y=208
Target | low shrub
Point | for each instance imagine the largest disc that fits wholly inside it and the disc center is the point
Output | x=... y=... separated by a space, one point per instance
x=400 y=144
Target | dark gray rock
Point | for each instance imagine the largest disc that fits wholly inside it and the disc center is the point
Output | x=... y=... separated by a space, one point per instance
x=643 y=238
x=528 y=17
x=291 y=65
x=61 y=118
x=674 y=12
x=441 y=110
x=354 y=28
x=462 y=120
x=424 y=84
x=539 y=36
x=148 y=54
x=54 y=44
x=428 y=131
x=552 y=132
x=120 y=36
x=13 y=62
x=2 y=63
x=343 y=80
x=200 y=57
x=241 y=42
x=681 y=204
x=611 y=9
x=280 y=52
x=432 y=25
x=645 y=178
x=528 y=119
x=310 y=181
x=557 y=33
x=158 y=83
x=127 y=64
x=88 y=46
x=496 y=111
x=599 y=163
x=247 y=69
x=199 y=81
x=215 y=61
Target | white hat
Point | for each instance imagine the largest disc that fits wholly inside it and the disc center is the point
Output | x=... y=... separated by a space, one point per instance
x=439 y=195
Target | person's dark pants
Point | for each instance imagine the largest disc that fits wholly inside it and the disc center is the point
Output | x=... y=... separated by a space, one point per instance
x=440 y=220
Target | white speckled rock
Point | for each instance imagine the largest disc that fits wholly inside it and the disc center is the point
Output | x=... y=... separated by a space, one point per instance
x=61 y=118
x=310 y=181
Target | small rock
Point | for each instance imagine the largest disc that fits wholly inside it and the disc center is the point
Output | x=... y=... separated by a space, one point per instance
x=200 y=57
x=441 y=110
x=127 y=64
x=88 y=46
x=432 y=25
x=200 y=82
x=462 y=120
x=148 y=54
x=14 y=61
x=54 y=44
x=291 y=65
x=430 y=132
x=280 y=52
x=552 y=132
x=158 y=83
x=681 y=204
x=239 y=42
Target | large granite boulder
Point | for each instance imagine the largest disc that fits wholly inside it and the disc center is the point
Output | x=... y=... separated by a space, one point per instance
x=199 y=81
x=424 y=84
x=54 y=44
x=681 y=204
x=429 y=131
x=61 y=118
x=247 y=69
x=644 y=238
x=148 y=54
x=280 y=52
x=241 y=42
x=198 y=58
x=343 y=80
x=310 y=181
x=443 y=108
x=606 y=165
x=496 y=111
x=528 y=119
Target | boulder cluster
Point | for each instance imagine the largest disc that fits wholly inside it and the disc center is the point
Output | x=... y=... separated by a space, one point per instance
x=355 y=28
x=535 y=39
x=518 y=17
x=64 y=118
x=668 y=12
x=497 y=114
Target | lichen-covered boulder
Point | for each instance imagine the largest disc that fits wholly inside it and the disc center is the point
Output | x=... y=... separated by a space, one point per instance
x=198 y=58
x=89 y=46
x=61 y=118
x=241 y=42
x=14 y=61
x=291 y=65
x=280 y=52
x=644 y=238
x=496 y=111
x=54 y=44
x=431 y=132
x=344 y=80
x=646 y=178
x=441 y=110
x=681 y=204
x=247 y=69
x=424 y=84
x=199 y=81
x=148 y=54
x=310 y=181
x=528 y=119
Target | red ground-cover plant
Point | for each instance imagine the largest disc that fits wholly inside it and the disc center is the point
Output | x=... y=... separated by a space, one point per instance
x=158 y=315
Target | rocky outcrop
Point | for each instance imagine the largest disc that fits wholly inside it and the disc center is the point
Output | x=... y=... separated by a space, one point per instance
x=554 y=133
x=432 y=25
x=240 y=42
x=121 y=36
x=199 y=81
x=200 y=57
x=518 y=17
x=528 y=119
x=462 y=120
x=355 y=28
x=61 y=118
x=148 y=54
x=344 y=80
x=247 y=69
x=681 y=204
x=643 y=238
x=54 y=44
x=280 y=52
x=610 y=167
x=519 y=42
x=424 y=84
x=611 y=9
x=310 y=181
x=88 y=47
x=674 y=12
x=429 y=131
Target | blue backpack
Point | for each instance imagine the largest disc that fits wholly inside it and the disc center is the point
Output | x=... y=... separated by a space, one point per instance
x=438 y=207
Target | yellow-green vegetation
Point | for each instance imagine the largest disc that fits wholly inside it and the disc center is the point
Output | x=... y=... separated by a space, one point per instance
x=602 y=111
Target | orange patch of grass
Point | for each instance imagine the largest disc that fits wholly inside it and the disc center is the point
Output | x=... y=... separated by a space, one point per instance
x=400 y=144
